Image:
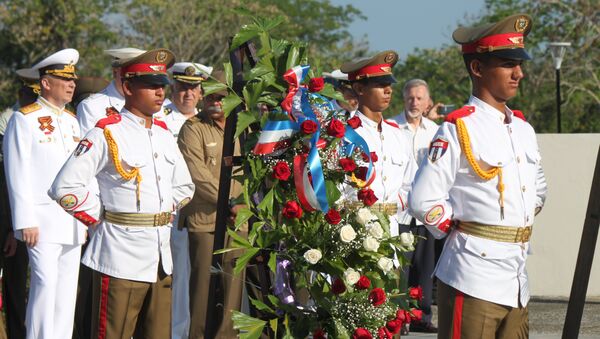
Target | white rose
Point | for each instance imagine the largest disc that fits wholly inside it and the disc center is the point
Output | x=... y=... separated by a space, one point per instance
x=385 y=264
x=347 y=233
x=313 y=256
x=376 y=230
x=371 y=244
x=407 y=239
x=364 y=215
x=351 y=276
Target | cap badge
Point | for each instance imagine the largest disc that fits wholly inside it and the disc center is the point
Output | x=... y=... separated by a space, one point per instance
x=516 y=40
x=389 y=57
x=521 y=24
x=161 y=56
x=386 y=69
x=157 y=68
x=190 y=70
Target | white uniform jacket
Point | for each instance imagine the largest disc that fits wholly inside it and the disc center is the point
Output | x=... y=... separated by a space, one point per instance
x=394 y=168
x=446 y=188
x=172 y=117
x=38 y=140
x=121 y=251
x=420 y=138
x=98 y=106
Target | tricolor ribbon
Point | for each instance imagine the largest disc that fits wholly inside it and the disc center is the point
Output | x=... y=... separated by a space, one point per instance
x=294 y=77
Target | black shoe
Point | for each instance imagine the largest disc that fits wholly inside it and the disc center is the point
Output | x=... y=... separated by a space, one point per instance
x=423 y=327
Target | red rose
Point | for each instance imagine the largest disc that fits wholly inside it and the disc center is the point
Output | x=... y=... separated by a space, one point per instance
x=363 y=283
x=338 y=286
x=319 y=334
x=403 y=316
x=377 y=296
x=333 y=217
x=361 y=172
x=416 y=292
x=365 y=158
x=316 y=84
x=336 y=128
x=367 y=196
x=361 y=333
x=347 y=164
x=354 y=122
x=281 y=171
x=416 y=314
x=384 y=333
x=308 y=127
x=292 y=209
x=394 y=325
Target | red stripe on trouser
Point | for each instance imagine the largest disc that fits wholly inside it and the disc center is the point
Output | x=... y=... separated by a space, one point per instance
x=457 y=315
x=103 y=307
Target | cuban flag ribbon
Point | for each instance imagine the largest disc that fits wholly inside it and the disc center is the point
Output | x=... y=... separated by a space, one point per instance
x=296 y=92
x=275 y=136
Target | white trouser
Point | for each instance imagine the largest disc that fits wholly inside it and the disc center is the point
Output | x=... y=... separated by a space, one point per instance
x=180 y=322
x=52 y=291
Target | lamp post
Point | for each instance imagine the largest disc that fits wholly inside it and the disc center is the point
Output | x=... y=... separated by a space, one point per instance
x=558 y=49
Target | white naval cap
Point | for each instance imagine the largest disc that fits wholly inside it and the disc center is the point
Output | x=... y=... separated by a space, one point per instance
x=190 y=72
x=122 y=54
x=60 y=64
x=336 y=74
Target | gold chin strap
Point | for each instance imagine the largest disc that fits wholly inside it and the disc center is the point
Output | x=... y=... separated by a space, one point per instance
x=465 y=145
x=113 y=150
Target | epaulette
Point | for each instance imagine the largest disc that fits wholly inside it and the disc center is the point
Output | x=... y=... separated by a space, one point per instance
x=459 y=113
x=519 y=115
x=69 y=112
x=110 y=110
x=391 y=123
x=160 y=123
x=30 y=108
x=109 y=120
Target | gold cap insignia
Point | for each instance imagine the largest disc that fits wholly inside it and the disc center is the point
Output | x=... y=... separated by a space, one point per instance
x=161 y=56
x=389 y=57
x=386 y=69
x=521 y=24
x=190 y=70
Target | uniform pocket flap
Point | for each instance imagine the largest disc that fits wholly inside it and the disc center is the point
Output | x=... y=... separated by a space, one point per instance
x=495 y=158
x=399 y=159
x=489 y=249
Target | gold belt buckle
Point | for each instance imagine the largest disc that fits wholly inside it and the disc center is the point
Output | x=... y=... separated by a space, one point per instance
x=161 y=219
x=523 y=234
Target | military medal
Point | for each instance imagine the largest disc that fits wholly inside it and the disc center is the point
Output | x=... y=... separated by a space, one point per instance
x=46 y=124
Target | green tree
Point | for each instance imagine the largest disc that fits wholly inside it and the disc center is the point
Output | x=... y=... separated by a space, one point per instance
x=33 y=29
x=576 y=21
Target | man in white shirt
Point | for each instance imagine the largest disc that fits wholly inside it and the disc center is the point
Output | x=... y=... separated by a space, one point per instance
x=38 y=140
x=481 y=186
x=143 y=180
x=110 y=100
x=420 y=131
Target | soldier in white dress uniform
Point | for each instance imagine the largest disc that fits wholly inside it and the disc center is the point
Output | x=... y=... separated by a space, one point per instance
x=110 y=100
x=186 y=92
x=394 y=166
x=481 y=186
x=38 y=140
x=143 y=181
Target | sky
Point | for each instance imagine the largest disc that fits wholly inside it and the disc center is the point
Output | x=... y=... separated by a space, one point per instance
x=403 y=25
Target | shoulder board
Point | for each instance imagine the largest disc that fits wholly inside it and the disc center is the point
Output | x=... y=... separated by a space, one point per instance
x=110 y=110
x=30 y=108
x=519 y=115
x=459 y=113
x=109 y=120
x=160 y=123
x=69 y=112
x=167 y=111
x=391 y=123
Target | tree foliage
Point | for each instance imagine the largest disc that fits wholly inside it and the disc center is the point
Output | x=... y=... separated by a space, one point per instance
x=576 y=21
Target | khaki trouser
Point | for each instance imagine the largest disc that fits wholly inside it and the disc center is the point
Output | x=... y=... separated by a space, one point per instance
x=201 y=245
x=465 y=317
x=124 y=308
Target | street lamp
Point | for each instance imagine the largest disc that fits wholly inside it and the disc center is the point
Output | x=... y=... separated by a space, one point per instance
x=558 y=49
